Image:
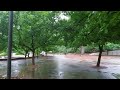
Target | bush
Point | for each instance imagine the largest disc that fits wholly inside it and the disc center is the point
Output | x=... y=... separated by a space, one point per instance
x=108 y=47
x=111 y=46
x=91 y=48
x=3 y=54
x=63 y=49
x=19 y=53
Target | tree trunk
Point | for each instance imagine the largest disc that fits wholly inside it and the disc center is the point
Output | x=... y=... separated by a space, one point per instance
x=28 y=55
x=33 y=56
x=65 y=51
x=82 y=50
x=37 y=54
x=107 y=52
x=100 y=53
x=25 y=56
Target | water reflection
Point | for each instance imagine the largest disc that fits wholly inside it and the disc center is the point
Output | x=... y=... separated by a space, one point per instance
x=47 y=69
x=43 y=69
x=51 y=68
x=33 y=73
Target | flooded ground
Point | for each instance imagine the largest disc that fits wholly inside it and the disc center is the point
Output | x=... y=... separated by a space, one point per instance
x=60 y=67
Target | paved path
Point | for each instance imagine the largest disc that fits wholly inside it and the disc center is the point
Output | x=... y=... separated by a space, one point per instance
x=62 y=67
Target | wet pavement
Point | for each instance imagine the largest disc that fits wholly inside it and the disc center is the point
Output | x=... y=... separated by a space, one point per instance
x=59 y=67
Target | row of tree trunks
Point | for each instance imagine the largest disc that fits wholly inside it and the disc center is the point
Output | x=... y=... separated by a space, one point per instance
x=26 y=54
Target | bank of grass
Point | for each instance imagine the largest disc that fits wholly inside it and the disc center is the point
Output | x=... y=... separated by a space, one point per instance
x=3 y=54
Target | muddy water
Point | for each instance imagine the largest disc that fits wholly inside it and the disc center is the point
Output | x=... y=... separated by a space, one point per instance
x=53 y=67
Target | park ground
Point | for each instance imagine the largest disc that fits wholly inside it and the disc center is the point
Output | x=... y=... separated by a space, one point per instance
x=69 y=66
x=110 y=65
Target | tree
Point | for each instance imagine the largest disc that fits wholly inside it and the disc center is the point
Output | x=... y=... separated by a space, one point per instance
x=28 y=32
x=78 y=19
x=35 y=29
x=67 y=32
x=3 y=30
x=94 y=27
x=98 y=29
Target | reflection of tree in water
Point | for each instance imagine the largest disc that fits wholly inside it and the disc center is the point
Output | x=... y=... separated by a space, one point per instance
x=83 y=75
x=33 y=73
x=27 y=72
x=2 y=72
x=46 y=70
x=43 y=70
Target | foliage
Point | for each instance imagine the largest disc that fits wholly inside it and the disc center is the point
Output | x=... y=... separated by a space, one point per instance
x=46 y=31
x=91 y=49
x=112 y=46
x=3 y=30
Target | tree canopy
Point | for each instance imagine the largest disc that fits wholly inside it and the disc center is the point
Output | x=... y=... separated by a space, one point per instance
x=43 y=30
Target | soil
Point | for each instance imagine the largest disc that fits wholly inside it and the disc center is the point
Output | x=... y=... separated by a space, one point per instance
x=88 y=57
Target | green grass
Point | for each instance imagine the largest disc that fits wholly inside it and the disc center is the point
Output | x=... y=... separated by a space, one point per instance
x=3 y=54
